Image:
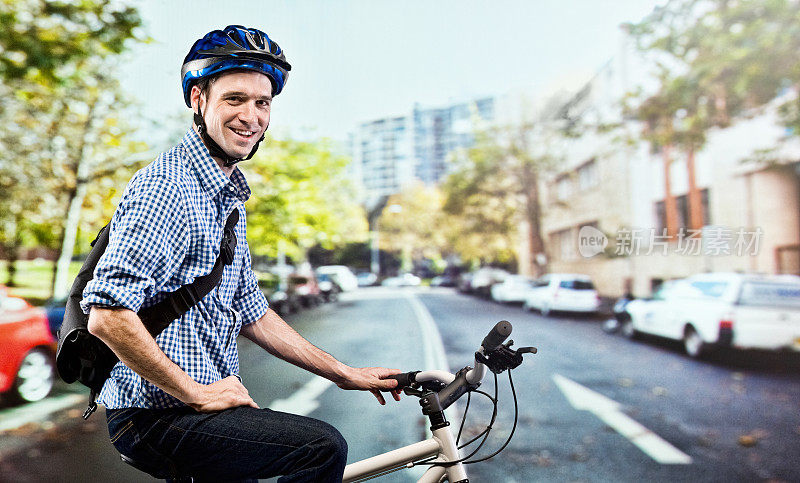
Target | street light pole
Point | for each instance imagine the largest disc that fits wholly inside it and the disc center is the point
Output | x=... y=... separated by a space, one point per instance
x=375 y=263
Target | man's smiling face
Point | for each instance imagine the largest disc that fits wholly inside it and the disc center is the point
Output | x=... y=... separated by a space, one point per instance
x=236 y=108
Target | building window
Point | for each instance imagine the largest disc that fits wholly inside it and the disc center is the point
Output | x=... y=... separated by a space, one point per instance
x=564 y=244
x=682 y=204
x=661 y=216
x=563 y=187
x=705 y=205
x=587 y=175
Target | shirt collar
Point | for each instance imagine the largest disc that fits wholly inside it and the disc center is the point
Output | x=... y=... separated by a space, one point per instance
x=209 y=173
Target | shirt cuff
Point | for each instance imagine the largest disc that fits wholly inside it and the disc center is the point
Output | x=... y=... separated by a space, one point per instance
x=102 y=293
x=251 y=307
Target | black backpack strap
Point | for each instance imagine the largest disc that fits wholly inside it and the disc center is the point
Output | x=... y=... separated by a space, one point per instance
x=157 y=317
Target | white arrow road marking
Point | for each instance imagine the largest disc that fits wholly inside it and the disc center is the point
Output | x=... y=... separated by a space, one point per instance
x=609 y=411
x=304 y=400
x=16 y=417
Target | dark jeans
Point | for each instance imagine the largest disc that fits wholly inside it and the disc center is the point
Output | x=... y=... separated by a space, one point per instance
x=237 y=444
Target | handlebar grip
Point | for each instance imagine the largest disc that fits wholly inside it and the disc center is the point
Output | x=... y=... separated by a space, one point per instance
x=404 y=379
x=497 y=336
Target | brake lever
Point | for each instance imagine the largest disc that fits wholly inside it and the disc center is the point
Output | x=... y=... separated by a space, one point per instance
x=504 y=357
x=410 y=391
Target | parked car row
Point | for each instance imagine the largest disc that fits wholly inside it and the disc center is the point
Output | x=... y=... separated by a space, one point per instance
x=287 y=295
x=563 y=292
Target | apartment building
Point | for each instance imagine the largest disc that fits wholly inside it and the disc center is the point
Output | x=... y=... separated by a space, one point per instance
x=390 y=153
x=669 y=214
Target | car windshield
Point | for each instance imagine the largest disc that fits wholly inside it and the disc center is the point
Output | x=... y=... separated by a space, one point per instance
x=708 y=289
x=577 y=284
x=770 y=293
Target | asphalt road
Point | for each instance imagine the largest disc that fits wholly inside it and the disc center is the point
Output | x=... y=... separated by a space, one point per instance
x=734 y=417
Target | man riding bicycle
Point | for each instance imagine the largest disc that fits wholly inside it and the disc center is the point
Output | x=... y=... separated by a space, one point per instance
x=175 y=404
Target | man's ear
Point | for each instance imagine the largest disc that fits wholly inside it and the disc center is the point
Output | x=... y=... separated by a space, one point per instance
x=194 y=98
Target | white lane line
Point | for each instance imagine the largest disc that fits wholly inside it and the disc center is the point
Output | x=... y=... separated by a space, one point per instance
x=433 y=347
x=304 y=401
x=609 y=411
x=435 y=356
x=34 y=412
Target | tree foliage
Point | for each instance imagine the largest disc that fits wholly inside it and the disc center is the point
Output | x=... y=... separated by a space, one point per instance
x=718 y=59
x=62 y=115
x=495 y=187
x=45 y=41
x=414 y=224
x=301 y=198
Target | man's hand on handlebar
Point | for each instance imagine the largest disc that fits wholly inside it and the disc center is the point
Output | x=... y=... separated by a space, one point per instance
x=372 y=379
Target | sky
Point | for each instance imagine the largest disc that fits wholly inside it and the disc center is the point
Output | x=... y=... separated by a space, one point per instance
x=354 y=61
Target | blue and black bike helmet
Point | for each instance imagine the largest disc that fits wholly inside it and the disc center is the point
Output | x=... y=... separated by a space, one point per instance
x=234 y=47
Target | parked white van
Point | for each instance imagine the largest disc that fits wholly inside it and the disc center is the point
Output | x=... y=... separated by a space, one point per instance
x=722 y=310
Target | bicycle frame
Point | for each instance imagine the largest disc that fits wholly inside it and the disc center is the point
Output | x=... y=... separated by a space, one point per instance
x=442 y=444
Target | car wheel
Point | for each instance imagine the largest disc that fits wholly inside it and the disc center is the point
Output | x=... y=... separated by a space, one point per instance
x=611 y=326
x=628 y=330
x=35 y=377
x=693 y=343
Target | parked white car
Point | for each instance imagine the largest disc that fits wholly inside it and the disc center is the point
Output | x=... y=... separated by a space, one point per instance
x=484 y=278
x=404 y=280
x=565 y=292
x=514 y=288
x=722 y=310
x=341 y=275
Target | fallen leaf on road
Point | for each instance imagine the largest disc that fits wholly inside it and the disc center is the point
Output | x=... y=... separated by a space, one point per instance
x=747 y=441
x=625 y=382
x=659 y=391
x=752 y=438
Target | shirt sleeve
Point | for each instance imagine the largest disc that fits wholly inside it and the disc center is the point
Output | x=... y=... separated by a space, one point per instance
x=249 y=301
x=148 y=240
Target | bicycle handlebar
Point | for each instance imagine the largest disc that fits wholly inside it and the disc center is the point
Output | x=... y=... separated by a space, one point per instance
x=457 y=384
x=496 y=336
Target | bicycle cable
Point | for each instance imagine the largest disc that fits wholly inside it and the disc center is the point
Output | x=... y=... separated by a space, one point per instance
x=513 y=428
x=484 y=433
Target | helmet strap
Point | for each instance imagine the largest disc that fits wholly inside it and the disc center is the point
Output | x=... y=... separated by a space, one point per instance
x=214 y=149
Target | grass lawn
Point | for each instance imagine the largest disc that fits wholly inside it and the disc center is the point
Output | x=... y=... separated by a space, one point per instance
x=33 y=279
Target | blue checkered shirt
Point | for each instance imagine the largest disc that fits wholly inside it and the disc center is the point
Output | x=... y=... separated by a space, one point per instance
x=165 y=233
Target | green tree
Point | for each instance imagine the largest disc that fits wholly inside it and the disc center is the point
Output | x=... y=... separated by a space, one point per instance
x=717 y=60
x=46 y=41
x=496 y=187
x=301 y=198
x=53 y=65
x=414 y=224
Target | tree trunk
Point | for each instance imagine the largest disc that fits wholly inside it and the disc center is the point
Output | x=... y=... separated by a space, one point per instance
x=696 y=221
x=670 y=206
x=12 y=250
x=13 y=255
x=533 y=213
x=75 y=200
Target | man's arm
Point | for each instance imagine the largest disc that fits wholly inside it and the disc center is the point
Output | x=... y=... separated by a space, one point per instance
x=125 y=334
x=280 y=340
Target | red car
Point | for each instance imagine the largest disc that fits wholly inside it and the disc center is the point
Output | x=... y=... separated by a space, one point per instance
x=27 y=348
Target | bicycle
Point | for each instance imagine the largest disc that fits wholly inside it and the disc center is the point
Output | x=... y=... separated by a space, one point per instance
x=437 y=391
